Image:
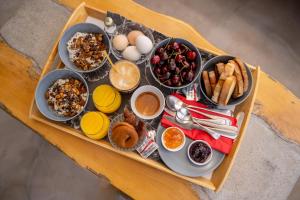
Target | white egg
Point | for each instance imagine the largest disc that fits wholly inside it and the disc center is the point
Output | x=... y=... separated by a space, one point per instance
x=120 y=42
x=144 y=44
x=131 y=53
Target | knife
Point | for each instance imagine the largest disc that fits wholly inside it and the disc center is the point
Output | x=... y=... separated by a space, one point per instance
x=194 y=126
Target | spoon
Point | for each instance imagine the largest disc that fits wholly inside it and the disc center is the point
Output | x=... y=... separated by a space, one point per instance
x=183 y=116
x=209 y=122
x=110 y=62
x=175 y=104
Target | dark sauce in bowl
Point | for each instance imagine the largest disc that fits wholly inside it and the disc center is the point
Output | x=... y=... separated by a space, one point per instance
x=199 y=152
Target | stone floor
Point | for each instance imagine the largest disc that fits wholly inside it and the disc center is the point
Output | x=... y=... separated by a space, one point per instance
x=261 y=32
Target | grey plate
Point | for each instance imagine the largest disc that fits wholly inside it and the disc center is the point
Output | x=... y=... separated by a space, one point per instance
x=85 y=28
x=179 y=161
x=43 y=86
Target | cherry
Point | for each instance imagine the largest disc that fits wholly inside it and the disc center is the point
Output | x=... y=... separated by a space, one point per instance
x=172 y=64
x=164 y=69
x=155 y=60
x=175 y=46
x=179 y=58
x=186 y=64
x=161 y=79
x=157 y=70
x=193 y=66
x=183 y=74
x=175 y=79
x=190 y=76
x=167 y=75
x=163 y=56
x=179 y=84
x=177 y=70
x=191 y=55
x=168 y=82
x=169 y=47
x=160 y=50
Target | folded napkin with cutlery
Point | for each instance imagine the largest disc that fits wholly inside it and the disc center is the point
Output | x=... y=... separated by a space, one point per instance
x=223 y=144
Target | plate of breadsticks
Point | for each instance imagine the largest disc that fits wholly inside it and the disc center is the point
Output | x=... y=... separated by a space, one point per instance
x=225 y=81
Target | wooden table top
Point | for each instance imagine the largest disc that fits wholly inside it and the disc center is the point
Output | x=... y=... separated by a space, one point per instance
x=19 y=78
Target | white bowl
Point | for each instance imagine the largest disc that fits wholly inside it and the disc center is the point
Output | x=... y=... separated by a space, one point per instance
x=163 y=142
x=147 y=88
x=207 y=160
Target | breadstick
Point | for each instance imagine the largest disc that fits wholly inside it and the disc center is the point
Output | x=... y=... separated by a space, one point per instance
x=244 y=73
x=217 y=91
x=206 y=83
x=239 y=87
x=212 y=80
x=227 y=90
x=220 y=68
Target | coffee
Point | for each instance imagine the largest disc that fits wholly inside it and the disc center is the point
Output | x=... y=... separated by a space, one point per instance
x=147 y=103
x=127 y=77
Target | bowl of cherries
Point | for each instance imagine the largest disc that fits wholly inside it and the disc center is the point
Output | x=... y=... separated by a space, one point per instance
x=175 y=63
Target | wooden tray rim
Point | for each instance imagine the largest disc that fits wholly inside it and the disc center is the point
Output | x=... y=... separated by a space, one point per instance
x=199 y=180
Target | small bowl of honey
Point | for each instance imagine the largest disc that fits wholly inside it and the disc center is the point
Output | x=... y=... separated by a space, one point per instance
x=173 y=139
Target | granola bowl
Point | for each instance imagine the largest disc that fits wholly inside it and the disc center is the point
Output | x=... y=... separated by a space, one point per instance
x=62 y=95
x=82 y=47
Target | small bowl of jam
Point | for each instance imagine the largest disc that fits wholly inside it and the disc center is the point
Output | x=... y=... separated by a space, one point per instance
x=199 y=152
x=173 y=139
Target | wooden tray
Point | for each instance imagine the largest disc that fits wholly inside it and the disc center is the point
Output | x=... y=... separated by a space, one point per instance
x=79 y=15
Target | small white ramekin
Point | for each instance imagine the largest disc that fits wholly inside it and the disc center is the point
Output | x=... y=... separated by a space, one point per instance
x=207 y=160
x=163 y=142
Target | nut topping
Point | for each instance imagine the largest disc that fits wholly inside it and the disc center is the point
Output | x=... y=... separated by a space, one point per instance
x=86 y=50
x=67 y=97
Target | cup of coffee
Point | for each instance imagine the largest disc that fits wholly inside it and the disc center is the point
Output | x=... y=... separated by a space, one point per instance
x=147 y=102
x=127 y=78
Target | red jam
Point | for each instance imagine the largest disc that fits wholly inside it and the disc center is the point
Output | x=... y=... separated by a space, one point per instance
x=199 y=152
